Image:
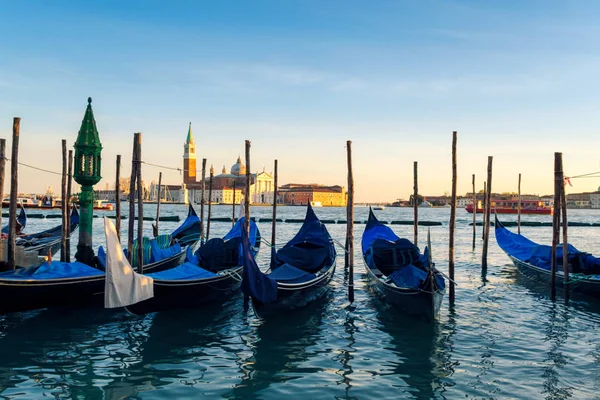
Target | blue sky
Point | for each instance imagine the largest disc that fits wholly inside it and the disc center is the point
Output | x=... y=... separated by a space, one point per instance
x=517 y=80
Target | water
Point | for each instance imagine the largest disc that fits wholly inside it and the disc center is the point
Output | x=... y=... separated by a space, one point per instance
x=504 y=338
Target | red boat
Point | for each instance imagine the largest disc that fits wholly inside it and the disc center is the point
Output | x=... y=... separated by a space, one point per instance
x=511 y=207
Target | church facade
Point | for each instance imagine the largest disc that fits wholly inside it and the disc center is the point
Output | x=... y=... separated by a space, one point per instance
x=227 y=188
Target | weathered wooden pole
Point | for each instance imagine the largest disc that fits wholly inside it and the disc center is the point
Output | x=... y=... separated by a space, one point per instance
x=202 y=186
x=474 y=212
x=118 y=197
x=69 y=206
x=132 y=179
x=563 y=209
x=415 y=205
x=14 y=192
x=210 y=183
x=452 y=220
x=159 y=196
x=63 y=204
x=483 y=206
x=247 y=198
x=274 y=223
x=558 y=182
x=2 y=173
x=486 y=236
x=233 y=206
x=140 y=199
x=519 y=208
x=350 y=224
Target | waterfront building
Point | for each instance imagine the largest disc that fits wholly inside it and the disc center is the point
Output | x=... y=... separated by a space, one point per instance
x=302 y=194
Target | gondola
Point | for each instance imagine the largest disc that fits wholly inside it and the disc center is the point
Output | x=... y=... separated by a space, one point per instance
x=397 y=271
x=54 y=283
x=300 y=271
x=171 y=253
x=49 y=240
x=209 y=275
x=534 y=261
x=21 y=222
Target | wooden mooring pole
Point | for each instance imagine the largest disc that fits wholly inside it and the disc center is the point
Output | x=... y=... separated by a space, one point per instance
x=118 y=197
x=63 y=204
x=2 y=173
x=563 y=209
x=140 y=199
x=131 y=223
x=247 y=198
x=274 y=223
x=69 y=205
x=519 y=207
x=210 y=183
x=486 y=236
x=558 y=182
x=350 y=224
x=14 y=192
x=158 y=199
x=483 y=206
x=452 y=220
x=474 y=212
x=415 y=204
x=233 y=206
x=202 y=187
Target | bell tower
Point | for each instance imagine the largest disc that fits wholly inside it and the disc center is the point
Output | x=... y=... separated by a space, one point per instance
x=189 y=158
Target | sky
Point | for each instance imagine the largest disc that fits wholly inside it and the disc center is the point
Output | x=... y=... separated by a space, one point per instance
x=517 y=80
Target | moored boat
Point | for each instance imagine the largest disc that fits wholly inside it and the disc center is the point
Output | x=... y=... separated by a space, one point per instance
x=399 y=274
x=300 y=272
x=511 y=206
x=21 y=222
x=54 y=283
x=211 y=274
x=48 y=241
x=534 y=261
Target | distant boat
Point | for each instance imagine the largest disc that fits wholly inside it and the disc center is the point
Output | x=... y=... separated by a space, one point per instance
x=380 y=208
x=316 y=204
x=511 y=207
x=425 y=204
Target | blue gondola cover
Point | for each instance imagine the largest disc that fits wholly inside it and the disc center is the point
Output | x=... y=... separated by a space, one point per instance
x=53 y=270
x=310 y=249
x=255 y=283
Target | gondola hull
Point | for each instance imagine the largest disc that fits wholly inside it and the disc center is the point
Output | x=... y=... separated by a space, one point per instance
x=34 y=294
x=417 y=303
x=587 y=287
x=293 y=296
x=173 y=294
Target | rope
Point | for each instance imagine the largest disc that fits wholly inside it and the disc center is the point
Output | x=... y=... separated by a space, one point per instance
x=340 y=244
x=37 y=168
x=576 y=278
x=585 y=175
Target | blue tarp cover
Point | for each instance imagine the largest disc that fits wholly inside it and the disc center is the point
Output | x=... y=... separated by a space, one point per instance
x=521 y=248
x=255 y=283
x=189 y=230
x=161 y=254
x=219 y=253
x=53 y=270
x=409 y=277
x=311 y=249
x=185 y=271
x=376 y=230
x=289 y=274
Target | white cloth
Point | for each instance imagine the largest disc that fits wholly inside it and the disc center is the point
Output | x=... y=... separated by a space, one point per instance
x=123 y=285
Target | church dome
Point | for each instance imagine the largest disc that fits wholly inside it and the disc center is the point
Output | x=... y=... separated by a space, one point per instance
x=238 y=168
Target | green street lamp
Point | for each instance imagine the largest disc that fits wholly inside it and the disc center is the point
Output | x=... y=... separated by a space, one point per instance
x=87 y=174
